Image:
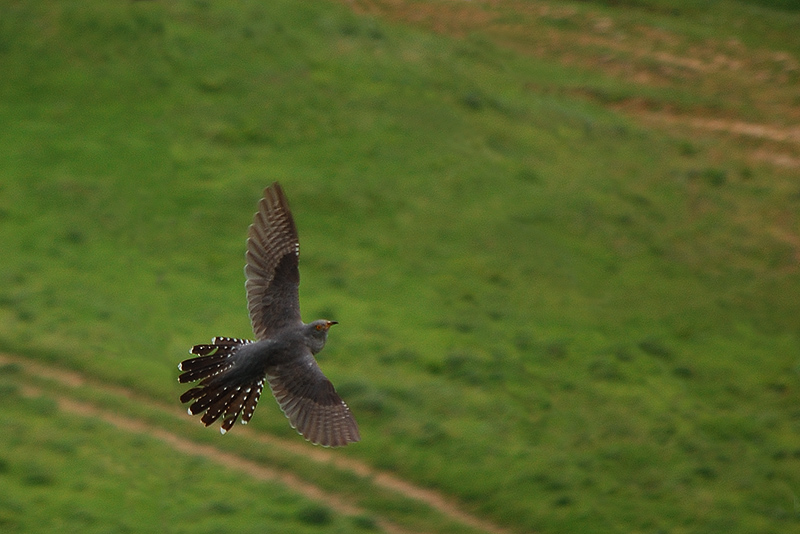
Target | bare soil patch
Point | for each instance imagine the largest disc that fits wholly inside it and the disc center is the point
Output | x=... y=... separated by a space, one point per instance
x=727 y=88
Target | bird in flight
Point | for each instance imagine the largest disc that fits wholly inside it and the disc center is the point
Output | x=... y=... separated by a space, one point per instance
x=232 y=372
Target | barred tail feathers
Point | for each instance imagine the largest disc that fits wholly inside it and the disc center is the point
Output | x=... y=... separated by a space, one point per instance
x=215 y=397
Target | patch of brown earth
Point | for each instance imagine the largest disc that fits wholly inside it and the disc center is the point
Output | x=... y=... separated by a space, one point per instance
x=721 y=86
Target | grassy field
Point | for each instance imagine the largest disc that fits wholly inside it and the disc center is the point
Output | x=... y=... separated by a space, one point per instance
x=562 y=241
x=68 y=474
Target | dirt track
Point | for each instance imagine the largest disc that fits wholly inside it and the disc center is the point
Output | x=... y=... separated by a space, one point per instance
x=72 y=379
x=757 y=83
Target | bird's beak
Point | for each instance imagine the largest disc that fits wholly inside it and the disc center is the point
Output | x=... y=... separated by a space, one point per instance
x=331 y=323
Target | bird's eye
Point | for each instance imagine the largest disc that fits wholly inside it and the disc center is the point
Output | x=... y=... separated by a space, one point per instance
x=319 y=327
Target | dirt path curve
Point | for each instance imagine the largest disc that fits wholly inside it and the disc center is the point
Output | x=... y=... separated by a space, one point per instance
x=789 y=137
x=72 y=379
x=231 y=461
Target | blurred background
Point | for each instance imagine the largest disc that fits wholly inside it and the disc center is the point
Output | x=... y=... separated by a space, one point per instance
x=562 y=241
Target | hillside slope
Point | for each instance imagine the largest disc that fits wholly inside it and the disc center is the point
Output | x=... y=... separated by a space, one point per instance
x=563 y=304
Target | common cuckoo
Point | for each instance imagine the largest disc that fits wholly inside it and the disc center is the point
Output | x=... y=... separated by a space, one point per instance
x=232 y=372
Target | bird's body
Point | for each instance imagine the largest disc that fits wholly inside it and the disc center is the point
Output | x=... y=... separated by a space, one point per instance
x=232 y=372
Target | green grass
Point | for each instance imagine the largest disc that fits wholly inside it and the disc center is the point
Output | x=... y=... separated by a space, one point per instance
x=565 y=321
x=68 y=474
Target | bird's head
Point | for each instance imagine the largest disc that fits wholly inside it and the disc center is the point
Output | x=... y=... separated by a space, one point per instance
x=317 y=334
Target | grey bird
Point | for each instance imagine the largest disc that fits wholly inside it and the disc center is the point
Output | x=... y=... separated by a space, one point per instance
x=232 y=371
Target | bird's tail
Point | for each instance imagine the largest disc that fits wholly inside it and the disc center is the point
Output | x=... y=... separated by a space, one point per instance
x=214 y=395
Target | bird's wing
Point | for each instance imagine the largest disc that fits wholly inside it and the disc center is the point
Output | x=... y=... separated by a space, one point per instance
x=271 y=270
x=311 y=404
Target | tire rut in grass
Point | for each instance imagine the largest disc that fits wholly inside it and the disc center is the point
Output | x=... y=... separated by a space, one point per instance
x=72 y=379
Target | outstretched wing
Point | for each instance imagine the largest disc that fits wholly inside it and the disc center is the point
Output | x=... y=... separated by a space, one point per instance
x=311 y=404
x=271 y=270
